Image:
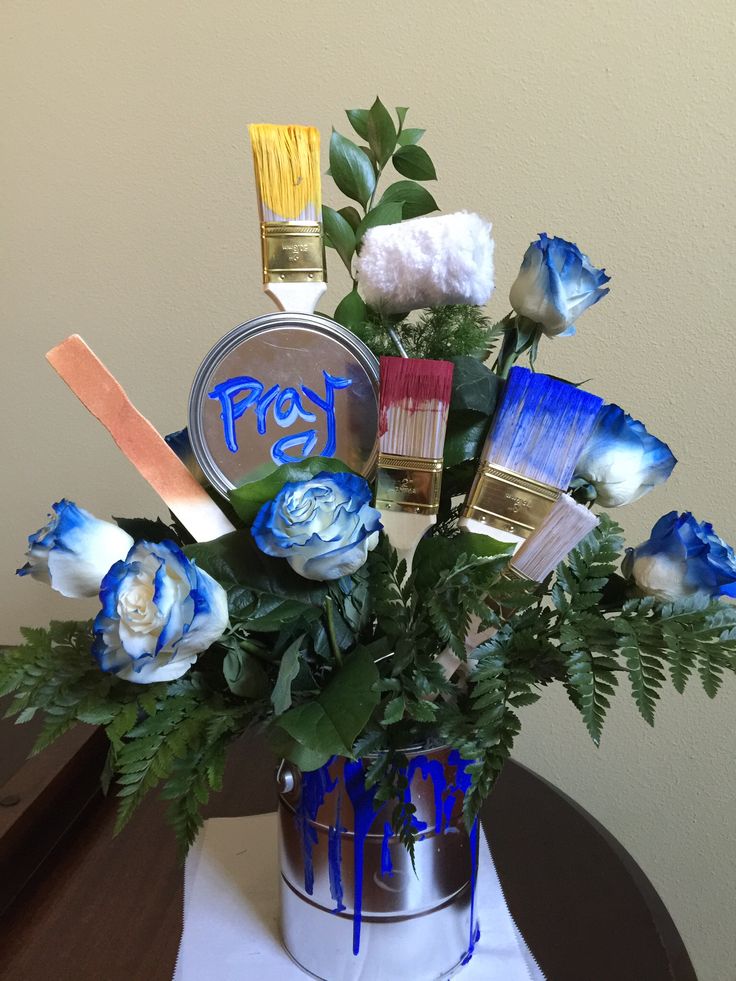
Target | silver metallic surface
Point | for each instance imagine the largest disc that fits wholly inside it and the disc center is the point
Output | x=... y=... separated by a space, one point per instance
x=286 y=778
x=284 y=353
x=414 y=927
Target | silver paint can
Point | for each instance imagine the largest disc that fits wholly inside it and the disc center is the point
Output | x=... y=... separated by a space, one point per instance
x=279 y=389
x=352 y=906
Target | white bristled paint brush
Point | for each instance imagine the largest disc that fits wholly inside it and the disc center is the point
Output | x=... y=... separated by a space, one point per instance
x=565 y=526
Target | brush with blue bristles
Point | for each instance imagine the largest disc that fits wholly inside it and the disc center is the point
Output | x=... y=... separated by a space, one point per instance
x=538 y=432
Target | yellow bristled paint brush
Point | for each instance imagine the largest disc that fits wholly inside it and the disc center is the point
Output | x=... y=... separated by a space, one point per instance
x=286 y=163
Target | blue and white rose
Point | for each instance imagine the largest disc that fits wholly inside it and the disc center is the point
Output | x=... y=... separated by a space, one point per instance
x=682 y=557
x=323 y=527
x=74 y=550
x=621 y=460
x=159 y=611
x=556 y=283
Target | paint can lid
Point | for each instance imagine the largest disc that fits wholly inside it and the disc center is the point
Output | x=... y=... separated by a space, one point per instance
x=281 y=388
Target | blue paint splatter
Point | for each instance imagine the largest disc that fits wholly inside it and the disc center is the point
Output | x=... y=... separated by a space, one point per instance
x=334 y=859
x=387 y=866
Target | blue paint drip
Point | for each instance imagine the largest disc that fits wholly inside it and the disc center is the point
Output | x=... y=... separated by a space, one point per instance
x=474 y=928
x=334 y=859
x=316 y=784
x=364 y=810
x=387 y=866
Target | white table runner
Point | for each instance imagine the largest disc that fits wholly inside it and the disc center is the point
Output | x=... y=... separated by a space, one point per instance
x=231 y=908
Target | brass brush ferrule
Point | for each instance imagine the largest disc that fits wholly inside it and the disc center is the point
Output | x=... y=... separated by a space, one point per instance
x=409 y=484
x=509 y=501
x=293 y=252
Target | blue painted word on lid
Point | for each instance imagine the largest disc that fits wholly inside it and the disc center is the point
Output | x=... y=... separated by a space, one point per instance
x=286 y=405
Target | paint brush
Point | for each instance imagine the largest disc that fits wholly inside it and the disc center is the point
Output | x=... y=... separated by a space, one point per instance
x=565 y=526
x=286 y=164
x=414 y=402
x=538 y=432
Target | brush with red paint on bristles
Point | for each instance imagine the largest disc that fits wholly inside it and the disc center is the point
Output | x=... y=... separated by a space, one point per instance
x=414 y=402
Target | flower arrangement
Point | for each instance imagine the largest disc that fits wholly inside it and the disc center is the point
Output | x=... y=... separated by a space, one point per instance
x=304 y=622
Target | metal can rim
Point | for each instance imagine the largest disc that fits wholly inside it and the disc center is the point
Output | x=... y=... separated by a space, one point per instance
x=229 y=342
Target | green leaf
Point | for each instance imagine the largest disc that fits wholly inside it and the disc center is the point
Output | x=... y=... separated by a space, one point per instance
x=275 y=613
x=381 y=132
x=436 y=555
x=351 y=215
x=372 y=158
x=244 y=674
x=394 y=711
x=339 y=234
x=414 y=162
x=249 y=498
x=144 y=529
x=350 y=311
x=382 y=214
x=475 y=390
x=410 y=136
x=401 y=112
x=644 y=669
x=414 y=199
x=288 y=670
x=351 y=169
x=359 y=121
x=329 y=725
x=593 y=681
x=236 y=561
x=475 y=387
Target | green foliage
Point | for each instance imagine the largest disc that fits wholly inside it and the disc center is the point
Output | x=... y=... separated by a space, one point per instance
x=351 y=169
x=144 y=529
x=340 y=234
x=475 y=390
x=180 y=743
x=288 y=671
x=310 y=733
x=54 y=673
x=413 y=161
x=443 y=333
x=357 y=170
x=258 y=585
x=414 y=199
x=249 y=498
x=351 y=312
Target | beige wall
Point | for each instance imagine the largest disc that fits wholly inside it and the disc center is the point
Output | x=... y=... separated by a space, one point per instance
x=131 y=220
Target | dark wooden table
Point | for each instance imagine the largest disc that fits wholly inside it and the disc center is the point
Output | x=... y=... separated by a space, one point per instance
x=104 y=909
